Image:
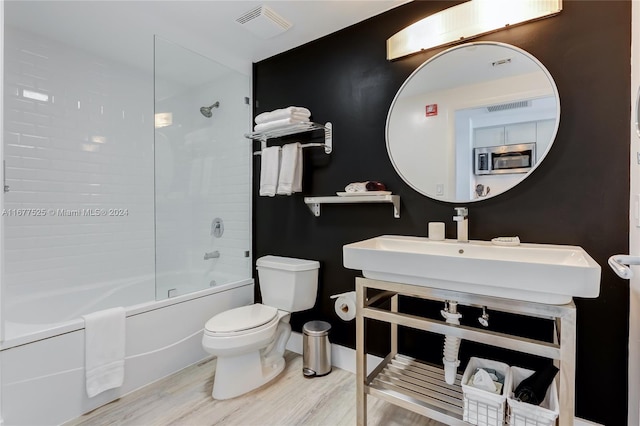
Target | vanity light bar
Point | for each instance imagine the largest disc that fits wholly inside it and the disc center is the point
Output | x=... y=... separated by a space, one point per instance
x=467 y=20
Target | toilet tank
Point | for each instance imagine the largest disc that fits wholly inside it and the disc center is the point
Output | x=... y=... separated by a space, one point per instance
x=287 y=283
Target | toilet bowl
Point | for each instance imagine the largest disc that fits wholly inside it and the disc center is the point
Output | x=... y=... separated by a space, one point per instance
x=250 y=341
x=249 y=354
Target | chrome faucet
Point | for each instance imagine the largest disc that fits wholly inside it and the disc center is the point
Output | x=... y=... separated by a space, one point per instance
x=462 y=217
x=212 y=255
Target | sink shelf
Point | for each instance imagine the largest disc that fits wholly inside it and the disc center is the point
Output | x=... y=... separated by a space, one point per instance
x=403 y=380
x=420 y=387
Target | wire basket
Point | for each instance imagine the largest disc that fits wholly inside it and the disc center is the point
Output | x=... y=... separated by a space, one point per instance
x=480 y=407
x=524 y=414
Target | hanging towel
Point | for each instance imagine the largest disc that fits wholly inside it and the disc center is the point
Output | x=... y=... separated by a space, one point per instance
x=290 y=179
x=296 y=183
x=284 y=122
x=269 y=169
x=104 y=336
x=282 y=113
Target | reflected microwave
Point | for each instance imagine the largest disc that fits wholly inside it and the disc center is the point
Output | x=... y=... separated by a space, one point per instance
x=503 y=159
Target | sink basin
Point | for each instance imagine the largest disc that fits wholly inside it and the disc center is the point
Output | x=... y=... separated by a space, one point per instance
x=541 y=273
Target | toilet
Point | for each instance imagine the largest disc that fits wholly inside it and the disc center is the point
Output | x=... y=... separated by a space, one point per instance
x=250 y=341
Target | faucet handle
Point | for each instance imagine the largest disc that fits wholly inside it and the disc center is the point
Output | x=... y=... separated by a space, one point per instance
x=461 y=211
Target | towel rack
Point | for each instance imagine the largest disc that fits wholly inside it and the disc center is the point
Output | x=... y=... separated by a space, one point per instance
x=295 y=129
x=307 y=145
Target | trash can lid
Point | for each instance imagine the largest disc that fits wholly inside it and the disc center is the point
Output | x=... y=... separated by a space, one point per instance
x=316 y=328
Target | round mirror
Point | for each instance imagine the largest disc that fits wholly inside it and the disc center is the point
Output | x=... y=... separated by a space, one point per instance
x=472 y=122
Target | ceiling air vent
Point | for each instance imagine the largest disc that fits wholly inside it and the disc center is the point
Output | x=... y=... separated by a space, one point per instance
x=264 y=22
x=510 y=105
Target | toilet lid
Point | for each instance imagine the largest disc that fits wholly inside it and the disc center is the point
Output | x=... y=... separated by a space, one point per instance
x=242 y=318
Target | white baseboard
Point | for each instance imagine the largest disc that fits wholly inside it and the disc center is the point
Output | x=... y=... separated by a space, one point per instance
x=345 y=359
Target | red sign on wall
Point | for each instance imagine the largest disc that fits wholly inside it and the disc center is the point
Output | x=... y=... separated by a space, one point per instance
x=431 y=110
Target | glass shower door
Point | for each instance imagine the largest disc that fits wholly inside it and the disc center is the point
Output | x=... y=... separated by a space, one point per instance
x=202 y=172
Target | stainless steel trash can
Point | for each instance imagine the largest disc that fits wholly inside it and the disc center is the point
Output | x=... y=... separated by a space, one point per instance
x=316 y=349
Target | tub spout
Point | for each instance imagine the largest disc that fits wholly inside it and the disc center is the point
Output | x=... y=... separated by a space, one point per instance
x=212 y=255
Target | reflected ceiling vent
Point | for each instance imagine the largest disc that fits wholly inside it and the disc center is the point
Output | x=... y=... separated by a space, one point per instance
x=510 y=105
x=264 y=22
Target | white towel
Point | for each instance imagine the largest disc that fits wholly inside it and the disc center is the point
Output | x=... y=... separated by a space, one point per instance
x=290 y=179
x=282 y=113
x=269 y=169
x=104 y=336
x=284 y=122
x=356 y=187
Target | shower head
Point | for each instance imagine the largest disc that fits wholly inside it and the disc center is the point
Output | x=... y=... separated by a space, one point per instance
x=206 y=111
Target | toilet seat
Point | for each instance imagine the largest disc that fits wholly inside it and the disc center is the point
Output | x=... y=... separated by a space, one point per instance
x=241 y=329
x=242 y=320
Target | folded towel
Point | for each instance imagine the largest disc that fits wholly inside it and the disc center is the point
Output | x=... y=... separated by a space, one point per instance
x=290 y=178
x=104 y=336
x=356 y=187
x=270 y=166
x=282 y=113
x=284 y=122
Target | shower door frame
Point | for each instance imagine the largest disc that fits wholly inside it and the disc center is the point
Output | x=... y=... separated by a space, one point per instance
x=633 y=390
x=2 y=193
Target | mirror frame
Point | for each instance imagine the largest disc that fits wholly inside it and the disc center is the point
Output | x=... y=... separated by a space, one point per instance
x=464 y=46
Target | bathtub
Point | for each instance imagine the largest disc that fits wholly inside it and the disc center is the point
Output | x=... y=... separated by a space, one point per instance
x=42 y=355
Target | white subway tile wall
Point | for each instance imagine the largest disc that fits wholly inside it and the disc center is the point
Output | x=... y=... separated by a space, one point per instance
x=78 y=141
x=79 y=151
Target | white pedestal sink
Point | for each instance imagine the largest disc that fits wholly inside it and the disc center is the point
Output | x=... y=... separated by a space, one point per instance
x=542 y=273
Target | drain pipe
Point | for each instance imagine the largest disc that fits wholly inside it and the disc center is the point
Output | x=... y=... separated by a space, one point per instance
x=451 y=343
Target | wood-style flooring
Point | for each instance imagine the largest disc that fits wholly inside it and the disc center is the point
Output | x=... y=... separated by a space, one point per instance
x=184 y=398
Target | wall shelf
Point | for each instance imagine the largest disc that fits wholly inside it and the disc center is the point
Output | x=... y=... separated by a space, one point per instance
x=314 y=202
x=296 y=129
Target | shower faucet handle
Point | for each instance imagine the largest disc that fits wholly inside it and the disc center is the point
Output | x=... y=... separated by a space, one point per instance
x=217 y=227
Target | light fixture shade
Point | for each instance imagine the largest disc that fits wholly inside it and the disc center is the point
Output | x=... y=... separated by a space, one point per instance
x=467 y=20
x=163 y=119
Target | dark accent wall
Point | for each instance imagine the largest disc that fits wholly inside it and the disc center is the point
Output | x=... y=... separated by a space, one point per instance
x=578 y=196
